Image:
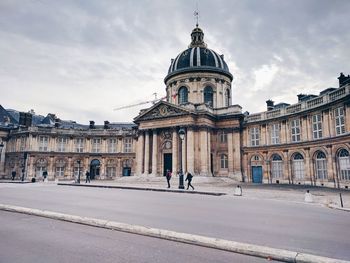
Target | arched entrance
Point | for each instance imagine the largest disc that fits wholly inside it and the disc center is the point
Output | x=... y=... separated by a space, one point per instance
x=94 y=169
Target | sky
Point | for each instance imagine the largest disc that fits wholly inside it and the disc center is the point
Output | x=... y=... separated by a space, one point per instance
x=80 y=59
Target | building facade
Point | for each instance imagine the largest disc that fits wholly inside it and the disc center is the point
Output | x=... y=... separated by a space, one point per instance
x=304 y=143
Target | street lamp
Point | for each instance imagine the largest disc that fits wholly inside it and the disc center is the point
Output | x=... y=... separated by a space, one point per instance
x=78 y=171
x=181 y=178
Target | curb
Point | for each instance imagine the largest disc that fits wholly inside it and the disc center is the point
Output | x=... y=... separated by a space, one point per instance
x=144 y=189
x=216 y=243
x=338 y=207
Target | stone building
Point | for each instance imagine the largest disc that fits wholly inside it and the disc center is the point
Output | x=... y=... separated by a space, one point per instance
x=304 y=143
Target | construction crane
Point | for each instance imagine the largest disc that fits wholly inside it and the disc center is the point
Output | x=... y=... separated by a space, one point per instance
x=154 y=101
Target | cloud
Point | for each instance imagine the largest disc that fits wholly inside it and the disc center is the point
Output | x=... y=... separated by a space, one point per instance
x=81 y=59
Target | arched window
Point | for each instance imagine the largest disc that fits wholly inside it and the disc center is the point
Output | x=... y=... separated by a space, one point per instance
x=298 y=166
x=276 y=166
x=321 y=166
x=223 y=161
x=183 y=95
x=227 y=98
x=208 y=96
x=344 y=165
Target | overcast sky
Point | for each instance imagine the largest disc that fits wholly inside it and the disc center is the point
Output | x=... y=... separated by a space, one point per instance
x=81 y=59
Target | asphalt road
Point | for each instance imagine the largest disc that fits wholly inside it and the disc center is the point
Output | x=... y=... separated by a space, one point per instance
x=293 y=226
x=27 y=238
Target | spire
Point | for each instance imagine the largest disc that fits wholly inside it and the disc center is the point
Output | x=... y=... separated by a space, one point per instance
x=197 y=34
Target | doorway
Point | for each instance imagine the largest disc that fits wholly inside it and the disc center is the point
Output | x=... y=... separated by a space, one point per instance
x=94 y=169
x=168 y=163
x=257 y=174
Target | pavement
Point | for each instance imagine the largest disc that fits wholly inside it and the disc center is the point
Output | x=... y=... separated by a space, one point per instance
x=321 y=196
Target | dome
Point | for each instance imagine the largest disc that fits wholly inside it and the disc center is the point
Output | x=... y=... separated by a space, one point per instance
x=198 y=58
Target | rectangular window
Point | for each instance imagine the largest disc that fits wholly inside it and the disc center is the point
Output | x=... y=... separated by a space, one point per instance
x=223 y=137
x=61 y=144
x=295 y=129
x=59 y=171
x=317 y=126
x=96 y=145
x=275 y=133
x=22 y=144
x=79 y=145
x=43 y=143
x=254 y=136
x=127 y=145
x=112 y=145
x=339 y=121
x=111 y=172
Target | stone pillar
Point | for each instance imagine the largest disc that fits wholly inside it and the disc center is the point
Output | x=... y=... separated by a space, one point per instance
x=330 y=168
x=51 y=170
x=2 y=158
x=309 y=167
x=147 y=152
x=103 y=168
x=31 y=171
x=175 y=152
x=69 y=169
x=347 y=117
x=236 y=152
x=190 y=150
x=104 y=145
x=120 y=145
x=154 y=153
x=209 y=152
x=204 y=152
x=230 y=152
x=262 y=129
x=286 y=170
x=304 y=130
x=139 y=154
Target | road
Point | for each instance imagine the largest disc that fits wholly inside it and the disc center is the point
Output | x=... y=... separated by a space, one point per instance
x=27 y=238
x=286 y=225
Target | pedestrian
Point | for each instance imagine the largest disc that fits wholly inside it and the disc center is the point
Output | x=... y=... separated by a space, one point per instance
x=13 y=174
x=168 y=177
x=87 y=177
x=44 y=175
x=189 y=180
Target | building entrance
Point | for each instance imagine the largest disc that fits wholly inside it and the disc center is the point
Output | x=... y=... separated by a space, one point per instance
x=94 y=169
x=168 y=163
x=257 y=174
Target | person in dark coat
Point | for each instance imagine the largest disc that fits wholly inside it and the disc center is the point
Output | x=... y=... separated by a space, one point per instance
x=168 y=177
x=13 y=174
x=189 y=180
x=87 y=177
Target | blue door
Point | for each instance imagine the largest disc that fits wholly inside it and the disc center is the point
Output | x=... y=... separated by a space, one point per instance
x=257 y=174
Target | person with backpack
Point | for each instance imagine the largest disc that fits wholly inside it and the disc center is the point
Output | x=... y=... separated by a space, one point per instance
x=189 y=180
x=168 y=177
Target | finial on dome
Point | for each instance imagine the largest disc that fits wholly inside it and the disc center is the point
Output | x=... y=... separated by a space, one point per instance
x=197 y=34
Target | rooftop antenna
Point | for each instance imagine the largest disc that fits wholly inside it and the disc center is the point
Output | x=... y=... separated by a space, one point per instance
x=196 y=14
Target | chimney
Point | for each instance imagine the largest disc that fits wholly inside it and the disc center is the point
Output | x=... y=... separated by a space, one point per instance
x=25 y=119
x=92 y=125
x=106 y=125
x=57 y=122
x=343 y=79
x=269 y=104
x=300 y=97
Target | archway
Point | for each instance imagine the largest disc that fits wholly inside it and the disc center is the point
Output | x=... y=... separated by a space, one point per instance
x=94 y=169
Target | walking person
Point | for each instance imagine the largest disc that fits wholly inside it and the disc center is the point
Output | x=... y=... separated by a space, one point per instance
x=168 y=177
x=87 y=177
x=189 y=180
x=13 y=175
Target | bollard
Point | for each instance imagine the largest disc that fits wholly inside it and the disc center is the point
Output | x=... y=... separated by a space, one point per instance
x=308 y=197
x=238 y=191
x=341 y=200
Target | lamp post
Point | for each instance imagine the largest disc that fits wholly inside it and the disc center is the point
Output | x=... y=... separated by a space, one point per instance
x=78 y=171
x=181 y=178
x=1 y=147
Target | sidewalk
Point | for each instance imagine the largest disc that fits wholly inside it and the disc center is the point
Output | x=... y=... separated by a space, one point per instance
x=218 y=186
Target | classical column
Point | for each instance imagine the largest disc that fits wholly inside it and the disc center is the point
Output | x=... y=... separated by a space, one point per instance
x=236 y=152
x=175 y=151
x=154 y=152
x=325 y=124
x=139 y=154
x=31 y=171
x=286 y=170
x=330 y=168
x=204 y=152
x=190 y=150
x=209 y=152
x=2 y=158
x=184 y=155
x=104 y=145
x=69 y=167
x=103 y=168
x=308 y=167
x=147 y=152
x=230 y=153
x=51 y=172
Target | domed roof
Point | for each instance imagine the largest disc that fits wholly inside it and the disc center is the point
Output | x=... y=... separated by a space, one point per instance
x=198 y=58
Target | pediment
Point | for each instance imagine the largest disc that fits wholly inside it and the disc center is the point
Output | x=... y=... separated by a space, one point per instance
x=162 y=110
